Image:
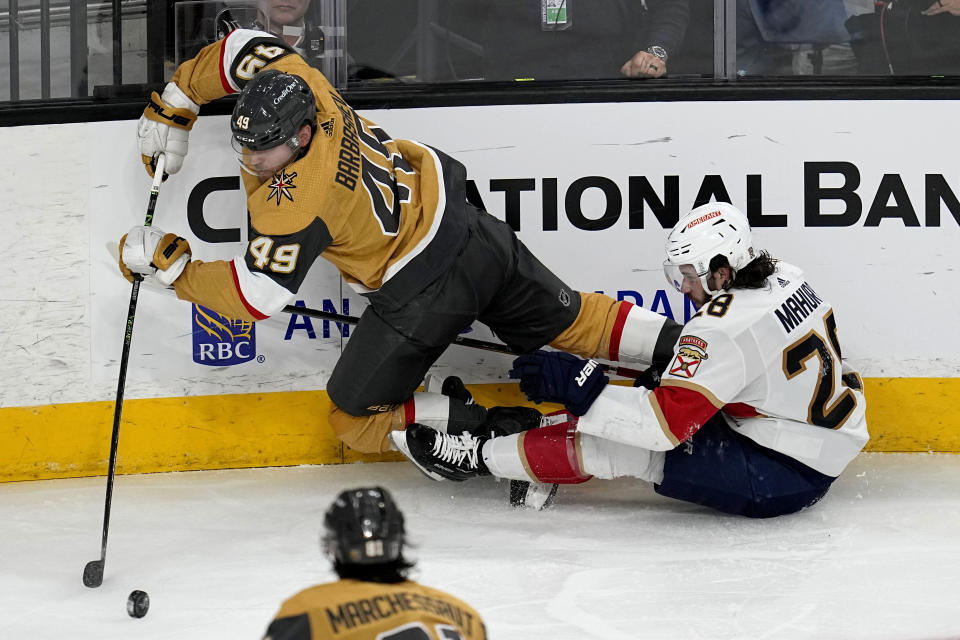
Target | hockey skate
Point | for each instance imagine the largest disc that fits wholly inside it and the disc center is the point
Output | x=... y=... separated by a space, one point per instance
x=532 y=495
x=500 y=421
x=441 y=456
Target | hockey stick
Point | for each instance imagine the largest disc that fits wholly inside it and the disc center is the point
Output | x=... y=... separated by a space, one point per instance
x=473 y=343
x=344 y=319
x=93 y=571
x=460 y=340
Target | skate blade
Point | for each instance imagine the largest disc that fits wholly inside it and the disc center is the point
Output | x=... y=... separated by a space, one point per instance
x=531 y=495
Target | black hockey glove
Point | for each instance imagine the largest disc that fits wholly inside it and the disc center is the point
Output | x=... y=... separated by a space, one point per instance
x=560 y=377
x=650 y=378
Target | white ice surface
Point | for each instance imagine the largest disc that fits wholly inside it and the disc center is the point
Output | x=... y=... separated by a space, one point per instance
x=217 y=552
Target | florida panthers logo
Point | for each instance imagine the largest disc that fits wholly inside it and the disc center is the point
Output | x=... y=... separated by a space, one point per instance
x=687 y=361
x=281 y=186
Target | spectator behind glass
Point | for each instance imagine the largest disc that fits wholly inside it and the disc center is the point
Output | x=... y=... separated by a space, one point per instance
x=277 y=14
x=292 y=20
x=695 y=54
x=581 y=38
x=911 y=37
x=943 y=6
x=801 y=37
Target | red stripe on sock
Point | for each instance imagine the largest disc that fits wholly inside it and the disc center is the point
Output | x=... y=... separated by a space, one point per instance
x=409 y=411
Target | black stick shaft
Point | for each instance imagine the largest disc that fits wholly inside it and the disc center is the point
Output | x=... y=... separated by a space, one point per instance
x=345 y=319
x=460 y=340
x=122 y=378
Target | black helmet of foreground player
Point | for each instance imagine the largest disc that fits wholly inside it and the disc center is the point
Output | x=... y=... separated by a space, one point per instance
x=268 y=119
x=364 y=536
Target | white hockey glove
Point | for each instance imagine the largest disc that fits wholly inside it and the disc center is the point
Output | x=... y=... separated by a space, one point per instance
x=153 y=254
x=164 y=128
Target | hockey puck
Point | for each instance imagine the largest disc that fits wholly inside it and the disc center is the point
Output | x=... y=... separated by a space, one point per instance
x=138 y=604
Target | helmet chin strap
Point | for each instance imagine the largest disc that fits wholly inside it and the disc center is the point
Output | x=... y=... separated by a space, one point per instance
x=706 y=287
x=704 y=278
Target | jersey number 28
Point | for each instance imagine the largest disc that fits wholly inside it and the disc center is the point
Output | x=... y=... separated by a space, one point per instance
x=824 y=411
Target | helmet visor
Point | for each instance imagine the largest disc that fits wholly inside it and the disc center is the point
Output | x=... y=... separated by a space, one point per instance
x=678 y=274
x=266 y=162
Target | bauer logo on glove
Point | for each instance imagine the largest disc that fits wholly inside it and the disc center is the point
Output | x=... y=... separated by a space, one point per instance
x=584 y=374
x=166 y=115
x=153 y=254
x=554 y=376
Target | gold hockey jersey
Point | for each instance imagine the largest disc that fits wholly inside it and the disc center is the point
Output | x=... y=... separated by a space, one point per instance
x=390 y=214
x=354 y=610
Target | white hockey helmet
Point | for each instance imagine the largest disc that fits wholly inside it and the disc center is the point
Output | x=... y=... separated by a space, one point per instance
x=713 y=229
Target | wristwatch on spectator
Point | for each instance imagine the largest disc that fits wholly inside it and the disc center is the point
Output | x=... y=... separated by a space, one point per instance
x=658 y=51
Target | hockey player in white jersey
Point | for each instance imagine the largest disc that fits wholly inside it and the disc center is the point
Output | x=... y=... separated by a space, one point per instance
x=756 y=415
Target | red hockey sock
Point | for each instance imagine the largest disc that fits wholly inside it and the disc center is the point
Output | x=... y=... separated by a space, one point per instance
x=551 y=454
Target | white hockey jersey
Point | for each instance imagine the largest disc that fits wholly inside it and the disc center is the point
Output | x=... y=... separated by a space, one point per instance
x=770 y=360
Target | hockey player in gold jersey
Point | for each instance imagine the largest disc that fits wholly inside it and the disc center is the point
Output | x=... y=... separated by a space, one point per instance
x=364 y=537
x=392 y=215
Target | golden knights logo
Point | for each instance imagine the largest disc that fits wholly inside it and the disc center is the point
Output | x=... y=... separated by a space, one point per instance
x=219 y=341
x=692 y=352
x=281 y=186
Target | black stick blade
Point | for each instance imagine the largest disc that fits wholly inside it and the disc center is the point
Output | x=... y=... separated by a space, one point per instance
x=93 y=574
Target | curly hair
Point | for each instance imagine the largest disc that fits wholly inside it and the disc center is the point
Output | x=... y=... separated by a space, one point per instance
x=753 y=275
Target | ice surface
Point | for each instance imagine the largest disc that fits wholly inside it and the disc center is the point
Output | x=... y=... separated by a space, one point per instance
x=218 y=551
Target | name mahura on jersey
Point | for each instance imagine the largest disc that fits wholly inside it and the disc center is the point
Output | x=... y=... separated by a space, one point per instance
x=797 y=307
x=367 y=610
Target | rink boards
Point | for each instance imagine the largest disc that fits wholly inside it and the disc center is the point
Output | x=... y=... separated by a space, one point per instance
x=871 y=213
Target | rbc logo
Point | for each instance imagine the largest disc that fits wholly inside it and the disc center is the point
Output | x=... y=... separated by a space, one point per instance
x=219 y=341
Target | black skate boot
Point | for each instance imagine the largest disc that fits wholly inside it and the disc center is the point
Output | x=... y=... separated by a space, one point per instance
x=499 y=421
x=506 y=421
x=439 y=455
